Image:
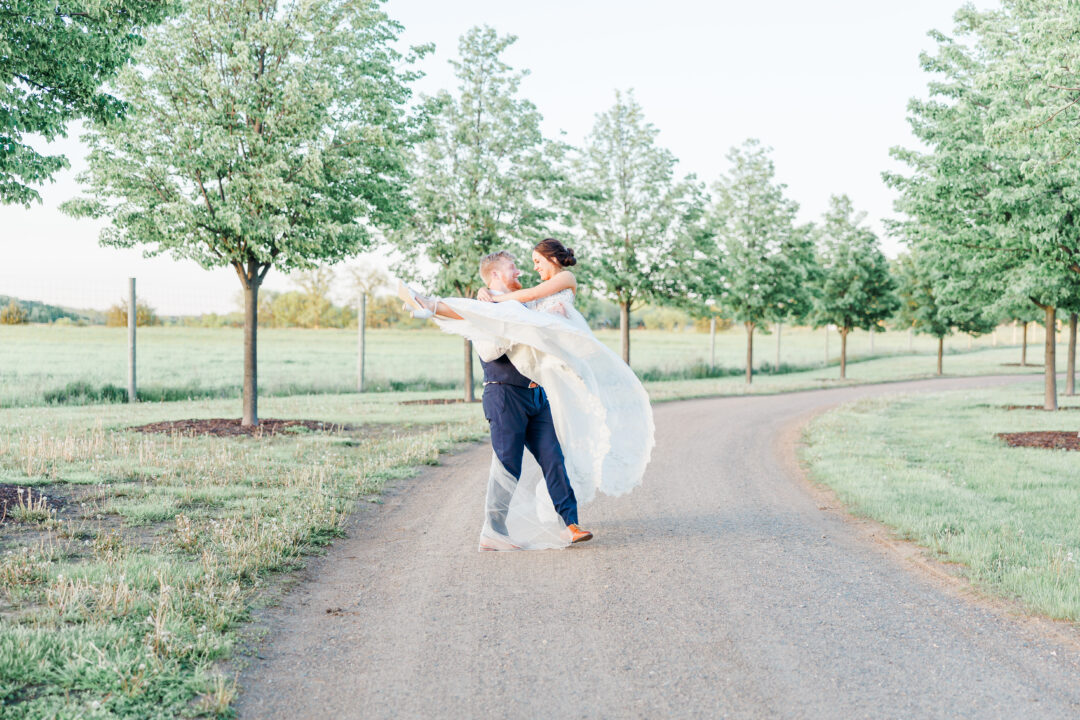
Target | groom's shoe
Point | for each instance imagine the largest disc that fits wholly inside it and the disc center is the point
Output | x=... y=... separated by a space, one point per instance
x=577 y=534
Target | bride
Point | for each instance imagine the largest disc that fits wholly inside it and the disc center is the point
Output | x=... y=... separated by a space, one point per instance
x=600 y=411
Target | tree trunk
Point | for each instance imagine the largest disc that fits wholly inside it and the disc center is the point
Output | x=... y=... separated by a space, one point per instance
x=251 y=328
x=749 y=352
x=624 y=330
x=911 y=340
x=940 y=351
x=1070 y=371
x=1023 y=349
x=470 y=394
x=1050 y=403
x=843 y=351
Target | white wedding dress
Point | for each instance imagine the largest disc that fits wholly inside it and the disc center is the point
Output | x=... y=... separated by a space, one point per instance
x=600 y=410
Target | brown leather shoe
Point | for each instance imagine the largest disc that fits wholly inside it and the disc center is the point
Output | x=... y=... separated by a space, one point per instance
x=577 y=534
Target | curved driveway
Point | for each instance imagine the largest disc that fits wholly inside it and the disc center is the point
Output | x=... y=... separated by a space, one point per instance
x=721 y=588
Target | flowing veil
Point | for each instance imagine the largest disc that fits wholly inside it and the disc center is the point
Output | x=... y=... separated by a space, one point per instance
x=600 y=410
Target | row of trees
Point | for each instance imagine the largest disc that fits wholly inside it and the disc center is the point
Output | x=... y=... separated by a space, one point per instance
x=254 y=135
x=992 y=200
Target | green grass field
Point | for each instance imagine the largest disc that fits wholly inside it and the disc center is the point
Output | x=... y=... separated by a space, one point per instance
x=931 y=467
x=126 y=601
x=194 y=362
x=122 y=603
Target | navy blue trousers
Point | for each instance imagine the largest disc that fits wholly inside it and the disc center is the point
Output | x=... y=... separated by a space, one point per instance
x=520 y=418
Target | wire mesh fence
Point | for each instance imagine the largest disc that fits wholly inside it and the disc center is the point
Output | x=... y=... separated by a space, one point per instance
x=74 y=348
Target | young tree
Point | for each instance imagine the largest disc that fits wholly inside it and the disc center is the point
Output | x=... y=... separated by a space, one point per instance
x=1023 y=312
x=855 y=289
x=1005 y=192
x=316 y=285
x=643 y=230
x=923 y=289
x=768 y=261
x=484 y=177
x=262 y=135
x=55 y=58
x=13 y=314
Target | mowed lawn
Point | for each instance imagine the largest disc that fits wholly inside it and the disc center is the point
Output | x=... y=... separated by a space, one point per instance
x=124 y=601
x=38 y=359
x=931 y=467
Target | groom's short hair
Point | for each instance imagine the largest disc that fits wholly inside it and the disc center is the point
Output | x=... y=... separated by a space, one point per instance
x=488 y=263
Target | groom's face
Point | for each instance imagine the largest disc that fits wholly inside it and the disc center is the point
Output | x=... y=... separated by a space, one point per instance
x=507 y=273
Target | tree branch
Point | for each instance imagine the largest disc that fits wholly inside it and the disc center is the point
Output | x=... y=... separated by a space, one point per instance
x=1075 y=100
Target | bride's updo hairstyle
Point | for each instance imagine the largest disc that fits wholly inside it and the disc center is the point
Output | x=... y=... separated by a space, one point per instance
x=556 y=252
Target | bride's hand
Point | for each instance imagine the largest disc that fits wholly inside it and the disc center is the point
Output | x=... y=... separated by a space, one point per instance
x=485 y=295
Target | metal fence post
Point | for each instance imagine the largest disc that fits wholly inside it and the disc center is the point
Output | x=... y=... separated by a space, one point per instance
x=361 y=321
x=712 y=342
x=132 y=317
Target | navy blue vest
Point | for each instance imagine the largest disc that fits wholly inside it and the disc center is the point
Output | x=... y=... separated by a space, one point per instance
x=501 y=370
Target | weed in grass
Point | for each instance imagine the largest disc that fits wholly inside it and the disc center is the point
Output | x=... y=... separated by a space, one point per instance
x=31 y=510
x=186 y=538
x=219 y=696
x=20 y=568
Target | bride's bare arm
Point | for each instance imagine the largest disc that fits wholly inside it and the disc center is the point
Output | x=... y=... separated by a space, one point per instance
x=560 y=282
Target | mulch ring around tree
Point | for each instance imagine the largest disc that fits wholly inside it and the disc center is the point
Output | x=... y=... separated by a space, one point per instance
x=1046 y=439
x=230 y=427
x=437 y=401
x=12 y=496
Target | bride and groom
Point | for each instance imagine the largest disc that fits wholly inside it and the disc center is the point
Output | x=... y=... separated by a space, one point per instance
x=549 y=387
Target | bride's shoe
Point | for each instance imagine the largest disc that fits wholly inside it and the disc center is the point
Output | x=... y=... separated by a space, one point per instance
x=413 y=303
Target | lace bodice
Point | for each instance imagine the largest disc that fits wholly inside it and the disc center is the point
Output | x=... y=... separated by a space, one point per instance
x=557 y=303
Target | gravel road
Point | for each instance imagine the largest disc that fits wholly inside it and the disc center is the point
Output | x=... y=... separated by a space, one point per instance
x=724 y=587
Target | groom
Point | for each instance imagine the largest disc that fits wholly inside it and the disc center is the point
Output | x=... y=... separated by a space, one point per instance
x=518 y=412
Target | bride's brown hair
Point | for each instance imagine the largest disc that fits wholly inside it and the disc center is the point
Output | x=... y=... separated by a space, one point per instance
x=556 y=252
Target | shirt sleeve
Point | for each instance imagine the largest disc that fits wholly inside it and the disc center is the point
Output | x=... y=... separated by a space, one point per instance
x=489 y=351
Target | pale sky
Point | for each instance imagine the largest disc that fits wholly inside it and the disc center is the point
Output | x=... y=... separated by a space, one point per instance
x=825 y=84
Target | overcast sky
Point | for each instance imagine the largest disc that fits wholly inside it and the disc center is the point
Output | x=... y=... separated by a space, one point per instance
x=825 y=84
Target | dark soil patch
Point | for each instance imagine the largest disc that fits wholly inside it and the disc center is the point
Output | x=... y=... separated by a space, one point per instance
x=12 y=495
x=437 y=401
x=1030 y=365
x=1035 y=407
x=1048 y=439
x=230 y=427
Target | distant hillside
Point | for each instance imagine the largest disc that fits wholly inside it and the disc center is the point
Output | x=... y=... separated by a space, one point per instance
x=39 y=312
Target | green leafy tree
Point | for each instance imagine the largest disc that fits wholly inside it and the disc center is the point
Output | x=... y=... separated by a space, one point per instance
x=644 y=231
x=768 y=262
x=1000 y=184
x=927 y=305
x=262 y=135
x=485 y=176
x=54 y=57
x=855 y=289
